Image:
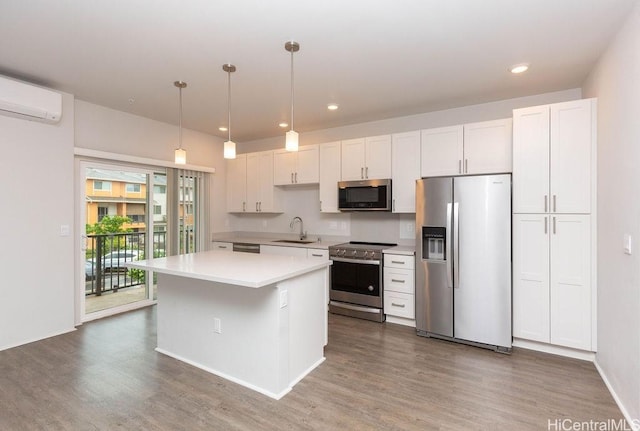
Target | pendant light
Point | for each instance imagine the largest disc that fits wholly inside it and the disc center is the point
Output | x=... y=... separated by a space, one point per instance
x=291 y=141
x=229 y=146
x=180 y=154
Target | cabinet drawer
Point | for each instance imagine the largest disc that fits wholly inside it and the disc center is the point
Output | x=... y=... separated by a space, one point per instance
x=398 y=261
x=399 y=304
x=399 y=280
x=222 y=246
x=318 y=253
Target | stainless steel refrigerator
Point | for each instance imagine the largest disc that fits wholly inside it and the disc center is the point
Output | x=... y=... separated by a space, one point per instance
x=463 y=259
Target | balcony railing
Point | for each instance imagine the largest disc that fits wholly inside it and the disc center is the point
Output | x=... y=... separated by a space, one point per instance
x=107 y=254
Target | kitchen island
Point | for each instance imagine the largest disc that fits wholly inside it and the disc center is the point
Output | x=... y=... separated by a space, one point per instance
x=257 y=320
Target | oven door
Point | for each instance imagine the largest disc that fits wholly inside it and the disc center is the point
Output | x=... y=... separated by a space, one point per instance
x=356 y=281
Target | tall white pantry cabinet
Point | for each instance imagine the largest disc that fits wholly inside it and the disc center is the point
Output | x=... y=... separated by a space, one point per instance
x=554 y=220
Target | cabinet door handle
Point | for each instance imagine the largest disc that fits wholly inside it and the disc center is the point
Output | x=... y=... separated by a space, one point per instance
x=366 y=172
x=291 y=177
x=545 y=203
x=296 y=178
x=397 y=281
x=397 y=305
x=362 y=173
x=459 y=166
x=545 y=225
x=393 y=207
x=554 y=203
x=244 y=206
x=554 y=225
x=466 y=171
x=320 y=205
x=260 y=206
x=256 y=206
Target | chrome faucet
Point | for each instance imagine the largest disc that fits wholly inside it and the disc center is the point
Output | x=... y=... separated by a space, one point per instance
x=303 y=234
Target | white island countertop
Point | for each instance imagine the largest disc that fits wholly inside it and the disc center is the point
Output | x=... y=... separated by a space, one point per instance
x=241 y=269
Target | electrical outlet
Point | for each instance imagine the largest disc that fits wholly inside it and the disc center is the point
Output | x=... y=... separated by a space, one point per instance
x=65 y=230
x=283 y=298
x=217 y=326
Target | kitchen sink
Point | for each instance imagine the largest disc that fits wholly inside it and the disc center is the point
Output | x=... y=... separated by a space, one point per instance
x=294 y=241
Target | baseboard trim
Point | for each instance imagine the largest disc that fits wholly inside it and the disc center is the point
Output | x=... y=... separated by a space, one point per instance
x=33 y=340
x=401 y=321
x=633 y=424
x=554 y=350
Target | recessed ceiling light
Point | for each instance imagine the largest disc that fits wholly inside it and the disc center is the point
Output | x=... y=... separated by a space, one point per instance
x=132 y=101
x=283 y=124
x=223 y=129
x=519 y=68
x=332 y=106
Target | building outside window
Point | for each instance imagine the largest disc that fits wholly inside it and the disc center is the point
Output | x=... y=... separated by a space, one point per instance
x=132 y=188
x=104 y=186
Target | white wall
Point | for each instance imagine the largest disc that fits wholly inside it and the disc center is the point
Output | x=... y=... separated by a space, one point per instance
x=104 y=129
x=383 y=227
x=36 y=173
x=449 y=117
x=615 y=81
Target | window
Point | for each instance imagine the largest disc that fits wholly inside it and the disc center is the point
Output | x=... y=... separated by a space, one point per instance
x=104 y=186
x=157 y=209
x=132 y=188
x=102 y=211
x=160 y=189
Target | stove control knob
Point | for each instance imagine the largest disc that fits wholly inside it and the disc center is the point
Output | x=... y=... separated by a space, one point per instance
x=354 y=253
x=343 y=252
x=366 y=254
x=370 y=288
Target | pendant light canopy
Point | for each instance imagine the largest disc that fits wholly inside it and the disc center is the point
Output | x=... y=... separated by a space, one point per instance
x=291 y=141
x=180 y=154
x=229 y=145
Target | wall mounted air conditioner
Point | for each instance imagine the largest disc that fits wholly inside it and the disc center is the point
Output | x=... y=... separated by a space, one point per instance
x=18 y=99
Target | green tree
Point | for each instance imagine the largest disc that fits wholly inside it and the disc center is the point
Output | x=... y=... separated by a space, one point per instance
x=109 y=224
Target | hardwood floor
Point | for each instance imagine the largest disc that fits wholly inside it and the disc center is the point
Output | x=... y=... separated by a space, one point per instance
x=106 y=376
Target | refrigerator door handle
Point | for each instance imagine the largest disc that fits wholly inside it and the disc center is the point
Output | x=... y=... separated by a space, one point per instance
x=448 y=245
x=456 y=254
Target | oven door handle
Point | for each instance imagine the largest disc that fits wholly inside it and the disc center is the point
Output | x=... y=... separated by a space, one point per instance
x=347 y=260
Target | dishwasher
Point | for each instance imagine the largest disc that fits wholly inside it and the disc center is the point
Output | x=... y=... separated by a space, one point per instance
x=246 y=247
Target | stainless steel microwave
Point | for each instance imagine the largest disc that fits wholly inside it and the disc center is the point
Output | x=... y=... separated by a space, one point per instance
x=364 y=195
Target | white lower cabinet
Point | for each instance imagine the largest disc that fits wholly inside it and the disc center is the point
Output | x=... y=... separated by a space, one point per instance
x=552 y=286
x=399 y=288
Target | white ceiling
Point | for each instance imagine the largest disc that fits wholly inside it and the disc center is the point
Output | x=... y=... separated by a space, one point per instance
x=375 y=58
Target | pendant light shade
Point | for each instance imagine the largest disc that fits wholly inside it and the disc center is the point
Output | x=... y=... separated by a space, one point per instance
x=180 y=154
x=291 y=140
x=229 y=145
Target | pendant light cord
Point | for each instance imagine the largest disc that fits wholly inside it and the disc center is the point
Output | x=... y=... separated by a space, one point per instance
x=292 y=89
x=229 y=104
x=180 y=121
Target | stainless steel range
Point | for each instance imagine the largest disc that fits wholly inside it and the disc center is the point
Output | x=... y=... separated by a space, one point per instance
x=356 y=280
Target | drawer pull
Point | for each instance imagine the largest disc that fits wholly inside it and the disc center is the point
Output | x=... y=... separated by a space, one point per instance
x=397 y=305
x=397 y=281
x=222 y=246
x=399 y=262
x=316 y=255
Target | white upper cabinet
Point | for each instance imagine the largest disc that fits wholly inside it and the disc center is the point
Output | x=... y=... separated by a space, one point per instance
x=329 y=176
x=442 y=151
x=571 y=147
x=237 y=183
x=469 y=149
x=296 y=167
x=352 y=155
x=488 y=147
x=405 y=170
x=250 y=184
x=531 y=160
x=366 y=158
x=378 y=157
x=553 y=149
